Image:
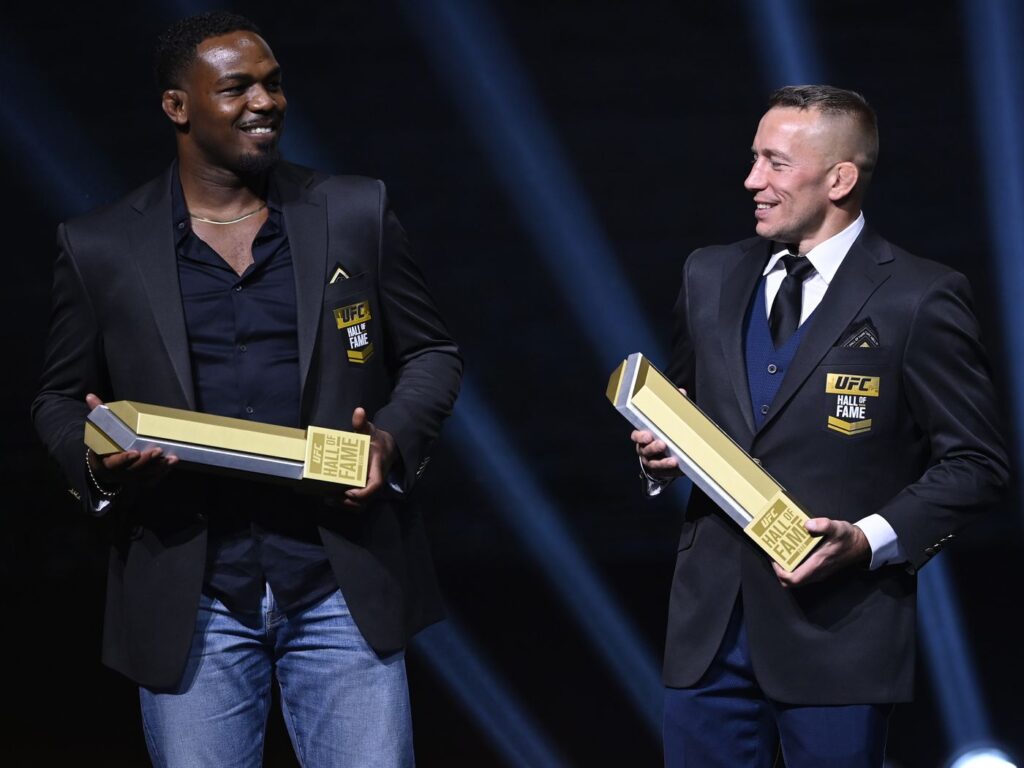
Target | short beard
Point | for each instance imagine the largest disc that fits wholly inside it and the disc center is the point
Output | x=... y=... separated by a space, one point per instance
x=258 y=163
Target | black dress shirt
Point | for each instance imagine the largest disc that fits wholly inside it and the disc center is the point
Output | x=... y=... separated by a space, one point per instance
x=245 y=364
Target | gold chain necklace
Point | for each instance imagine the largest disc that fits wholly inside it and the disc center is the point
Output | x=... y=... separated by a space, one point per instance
x=243 y=217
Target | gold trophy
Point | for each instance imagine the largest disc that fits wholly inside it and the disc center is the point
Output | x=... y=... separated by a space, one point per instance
x=231 y=445
x=712 y=460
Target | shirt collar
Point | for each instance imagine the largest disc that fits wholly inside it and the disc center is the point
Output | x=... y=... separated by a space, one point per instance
x=826 y=256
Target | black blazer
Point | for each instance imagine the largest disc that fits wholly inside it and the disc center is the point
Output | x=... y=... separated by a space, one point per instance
x=932 y=458
x=118 y=329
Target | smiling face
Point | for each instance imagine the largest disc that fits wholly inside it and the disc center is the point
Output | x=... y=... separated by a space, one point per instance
x=801 y=189
x=230 y=108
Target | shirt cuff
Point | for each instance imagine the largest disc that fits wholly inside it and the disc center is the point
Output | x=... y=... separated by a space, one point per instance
x=885 y=546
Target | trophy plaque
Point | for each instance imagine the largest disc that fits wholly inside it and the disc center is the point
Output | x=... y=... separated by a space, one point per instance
x=712 y=460
x=230 y=445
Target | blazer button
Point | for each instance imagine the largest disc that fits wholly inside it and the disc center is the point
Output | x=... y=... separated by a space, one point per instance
x=756 y=460
x=200 y=516
x=930 y=551
x=773 y=368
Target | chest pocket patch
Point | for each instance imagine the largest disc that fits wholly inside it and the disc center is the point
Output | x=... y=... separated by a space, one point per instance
x=354 y=321
x=854 y=398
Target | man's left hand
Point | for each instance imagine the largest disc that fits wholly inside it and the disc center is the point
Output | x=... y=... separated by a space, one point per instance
x=843 y=544
x=382 y=456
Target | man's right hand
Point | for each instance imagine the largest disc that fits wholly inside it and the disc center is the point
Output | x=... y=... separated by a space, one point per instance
x=128 y=467
x=654 y=456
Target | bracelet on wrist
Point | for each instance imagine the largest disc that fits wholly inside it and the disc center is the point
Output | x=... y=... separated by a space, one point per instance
x=108 y=494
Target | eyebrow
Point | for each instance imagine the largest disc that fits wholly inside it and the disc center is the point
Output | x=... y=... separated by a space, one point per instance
x=773 y=154
x=245 y=76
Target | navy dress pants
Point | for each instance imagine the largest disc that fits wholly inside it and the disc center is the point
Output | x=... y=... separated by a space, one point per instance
x=726 y=720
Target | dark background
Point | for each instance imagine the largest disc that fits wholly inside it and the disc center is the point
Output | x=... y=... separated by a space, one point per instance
x=653 y=106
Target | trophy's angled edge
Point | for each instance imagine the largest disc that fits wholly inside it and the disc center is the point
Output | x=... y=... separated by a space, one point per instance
x=627 y=380
x=218 y=457
x=201 y=456
x=112 y=427
x=100 y=444
x=614 y=382
x=126 y=411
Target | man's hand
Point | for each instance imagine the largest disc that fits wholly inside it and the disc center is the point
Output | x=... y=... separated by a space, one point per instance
x=654 y=457
x=382 y=456
x=128 y=467
x=843 y=544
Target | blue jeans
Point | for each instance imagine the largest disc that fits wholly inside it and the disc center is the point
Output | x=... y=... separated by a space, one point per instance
x=342 y=704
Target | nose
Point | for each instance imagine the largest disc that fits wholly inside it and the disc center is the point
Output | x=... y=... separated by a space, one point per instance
x=755 y=179
x=262 y=100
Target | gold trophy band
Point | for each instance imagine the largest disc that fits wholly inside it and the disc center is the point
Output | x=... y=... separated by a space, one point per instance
x=219 y=442
x=712 y=460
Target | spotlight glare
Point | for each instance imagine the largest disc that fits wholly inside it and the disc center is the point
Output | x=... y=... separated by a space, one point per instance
x=983 y=757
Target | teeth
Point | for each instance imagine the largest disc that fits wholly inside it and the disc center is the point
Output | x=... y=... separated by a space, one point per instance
x=765 y=206
x=258 y=130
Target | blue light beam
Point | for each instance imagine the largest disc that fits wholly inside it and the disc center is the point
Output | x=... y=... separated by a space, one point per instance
x=484 y=696
x=785 y=45
x=48 y=142
x=949 y=661
x=994 y=31
x=465 y=45
x=537 y=523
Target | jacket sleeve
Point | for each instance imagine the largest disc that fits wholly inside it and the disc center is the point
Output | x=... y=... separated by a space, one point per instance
x=949 y=393
x=681 y=366
x=73 y=366
x=425 y=359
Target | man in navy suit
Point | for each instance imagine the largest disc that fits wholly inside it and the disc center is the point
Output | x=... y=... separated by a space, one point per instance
x=241 y=285
x=853 y=372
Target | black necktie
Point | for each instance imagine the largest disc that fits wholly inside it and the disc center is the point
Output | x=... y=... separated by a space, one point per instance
x=785 y=314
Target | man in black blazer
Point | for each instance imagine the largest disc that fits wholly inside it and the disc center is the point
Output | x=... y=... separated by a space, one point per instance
x=853 y=372
x=242 y=285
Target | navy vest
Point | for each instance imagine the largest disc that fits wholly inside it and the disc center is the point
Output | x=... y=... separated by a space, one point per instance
x=766 y=365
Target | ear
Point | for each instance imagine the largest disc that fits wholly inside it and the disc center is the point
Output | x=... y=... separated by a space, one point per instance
x=844 y=178
x=175 y=105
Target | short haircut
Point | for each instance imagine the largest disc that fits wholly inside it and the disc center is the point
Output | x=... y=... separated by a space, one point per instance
x=836 y=102
x=176 y=48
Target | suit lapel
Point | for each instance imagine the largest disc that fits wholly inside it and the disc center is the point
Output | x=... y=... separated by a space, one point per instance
x=740 y=278
x=151 y=243
x=305 y=217
x=858 y=277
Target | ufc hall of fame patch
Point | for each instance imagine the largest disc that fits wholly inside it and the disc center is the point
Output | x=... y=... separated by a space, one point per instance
x=855 y=397
x=354 y=320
